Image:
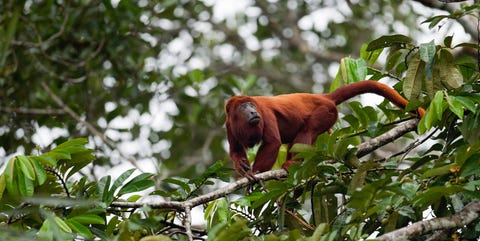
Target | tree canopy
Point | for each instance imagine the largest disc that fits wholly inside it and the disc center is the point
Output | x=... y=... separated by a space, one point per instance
x=88 y=86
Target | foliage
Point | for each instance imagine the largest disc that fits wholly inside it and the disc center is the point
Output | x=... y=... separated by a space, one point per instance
x=157 y=74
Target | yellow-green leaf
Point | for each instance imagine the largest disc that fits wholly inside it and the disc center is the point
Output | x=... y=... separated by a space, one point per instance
x=451 y=77
x=62 y=225
x=437 y=105
x=412 y=85
x=435 y=83
x=2 y=185
x=10 y=177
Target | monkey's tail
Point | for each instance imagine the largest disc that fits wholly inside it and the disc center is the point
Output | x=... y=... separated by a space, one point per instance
x=369 y=86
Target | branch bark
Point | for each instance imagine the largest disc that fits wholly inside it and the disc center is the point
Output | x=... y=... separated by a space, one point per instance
x=385 y=138
x=467 y=215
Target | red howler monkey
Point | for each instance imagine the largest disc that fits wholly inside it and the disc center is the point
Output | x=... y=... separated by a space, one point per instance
x=289 y=118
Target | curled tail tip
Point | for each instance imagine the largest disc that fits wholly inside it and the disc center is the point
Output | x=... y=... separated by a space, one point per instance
x=421 y=113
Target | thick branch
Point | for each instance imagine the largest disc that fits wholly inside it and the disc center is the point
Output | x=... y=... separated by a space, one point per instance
x=221 y=192
x=467 y=215
x=385 y=138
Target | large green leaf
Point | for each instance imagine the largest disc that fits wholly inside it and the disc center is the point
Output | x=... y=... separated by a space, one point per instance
x=427 y=54
x=412 y=84
x=88 y=219
x=138 y=183
x=388 y=41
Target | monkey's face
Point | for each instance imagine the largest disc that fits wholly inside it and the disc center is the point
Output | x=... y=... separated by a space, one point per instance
x=248 y=110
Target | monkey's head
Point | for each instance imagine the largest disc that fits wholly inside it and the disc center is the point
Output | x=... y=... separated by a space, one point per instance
x=244 y=119
x=243 y=108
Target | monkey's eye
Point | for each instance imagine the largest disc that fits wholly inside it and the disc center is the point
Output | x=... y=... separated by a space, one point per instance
x=246 y=105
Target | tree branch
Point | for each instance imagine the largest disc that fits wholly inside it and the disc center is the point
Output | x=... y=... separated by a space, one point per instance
x=75 y=116
x=363 y=149
x=467 y=215
x=385 y=138
x=221 y=192
x=32 y=111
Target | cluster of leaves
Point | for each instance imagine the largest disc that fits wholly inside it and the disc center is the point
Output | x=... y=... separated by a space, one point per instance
x=333 y=195
x=39 y=195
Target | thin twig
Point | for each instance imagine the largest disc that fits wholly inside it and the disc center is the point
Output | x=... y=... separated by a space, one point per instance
x=75 y=116
x=188 y=222
x=32 y=111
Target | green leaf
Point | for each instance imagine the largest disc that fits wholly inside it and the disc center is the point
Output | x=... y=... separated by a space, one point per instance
x=124 y=176
x=423 y=126
x=196 y=76
x=139 y=183
x=45 y=231
x=88 y=219
x=103 y=188
x=434 y=20
x=8 y=36
x=388 y=41
x=468 y=45
x=224 y=232
x=412 y=85
x=427 y=55
x=371 y=56
x=455 y=106
x=450 y=76
x=448 y=41
x=26 y=167
x=393 y=59
x=319 y=232
x=180 y=182
x=60 y=154
x=217 y=211
x=11 y=177
x=467 y=103
x=25 y=184
x=470 y=167
x=79 y=228
x=136 y=186
x=433 y=195
x=62 y=225
x=360 y=112
x=74 y=145
x=433 y=85
x=249 y=83
x=438 y=171
x=78 y=161
x=350 y=71
x=3 y=184
x=437 y=105
x=45 y=160
x=39 y=170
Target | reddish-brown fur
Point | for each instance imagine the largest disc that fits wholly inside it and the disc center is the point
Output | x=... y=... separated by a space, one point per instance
x=290 y=118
